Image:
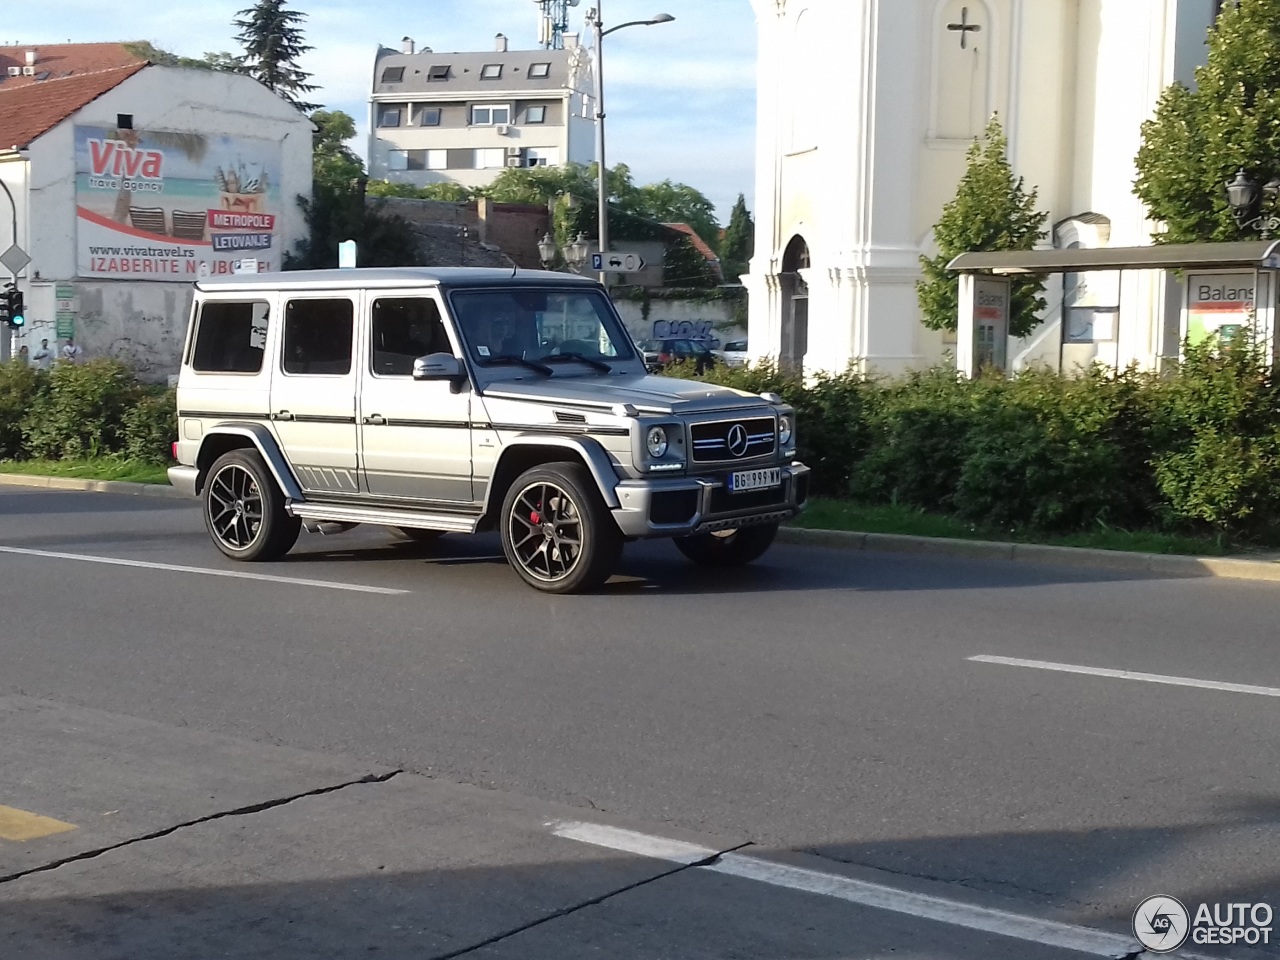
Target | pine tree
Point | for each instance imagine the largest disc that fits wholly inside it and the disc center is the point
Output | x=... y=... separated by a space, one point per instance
x=272 y=40
x=990 y=211
x=1231 y=121
x=739 y=242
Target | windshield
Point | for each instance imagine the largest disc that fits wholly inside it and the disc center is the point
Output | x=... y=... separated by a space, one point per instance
x=500 y=326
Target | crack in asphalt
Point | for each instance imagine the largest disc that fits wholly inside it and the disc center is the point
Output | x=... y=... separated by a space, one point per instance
x=221 y=815
x=566 y=911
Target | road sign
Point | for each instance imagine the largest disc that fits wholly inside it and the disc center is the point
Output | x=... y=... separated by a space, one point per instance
x=14 y=259
x=617 y=262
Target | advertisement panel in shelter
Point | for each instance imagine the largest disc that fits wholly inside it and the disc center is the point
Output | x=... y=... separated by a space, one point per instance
x=155 y=205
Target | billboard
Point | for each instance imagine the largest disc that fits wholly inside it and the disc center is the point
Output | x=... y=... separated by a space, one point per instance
x=156 y=205
x=1220 y=305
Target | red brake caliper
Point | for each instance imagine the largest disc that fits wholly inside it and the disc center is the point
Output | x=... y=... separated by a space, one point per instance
x=535 y=517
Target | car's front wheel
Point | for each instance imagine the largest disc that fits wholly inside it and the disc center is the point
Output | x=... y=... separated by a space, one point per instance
x=728 y=548
x=244 y=509
x=556 y=530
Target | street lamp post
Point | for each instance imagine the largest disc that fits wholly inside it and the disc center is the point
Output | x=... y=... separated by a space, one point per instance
x=574 y=253
x=1246 y=199
x=597 y=24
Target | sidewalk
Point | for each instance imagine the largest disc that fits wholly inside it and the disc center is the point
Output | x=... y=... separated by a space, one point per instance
x=1255 y=567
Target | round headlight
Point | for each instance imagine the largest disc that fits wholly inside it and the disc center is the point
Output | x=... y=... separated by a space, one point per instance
x=657 y=442
x=784 y=430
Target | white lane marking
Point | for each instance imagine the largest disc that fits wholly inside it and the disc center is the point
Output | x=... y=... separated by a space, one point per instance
x=1131 y=675
x=877 y=896
x=660 y=848
x=206 y=571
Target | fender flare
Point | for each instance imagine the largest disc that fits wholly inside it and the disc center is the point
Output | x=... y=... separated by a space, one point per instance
x=265 y=443
x=592 y=454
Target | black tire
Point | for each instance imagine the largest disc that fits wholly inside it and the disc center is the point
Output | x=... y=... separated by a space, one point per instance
x=728 y=548
x=244 y=509
x=556 y=530
x=419 y=535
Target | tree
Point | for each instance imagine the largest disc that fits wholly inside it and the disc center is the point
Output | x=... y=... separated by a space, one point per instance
x=684 y=266
x=273 y=42
x=446 y=191
x=332 y=162
x=990 y=211
x=334 y=214
x=739 y=243
x=1199 y=139
x=669 y=202
x=145 y=50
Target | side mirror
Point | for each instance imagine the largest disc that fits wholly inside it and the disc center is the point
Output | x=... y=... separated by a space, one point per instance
x=439 y=366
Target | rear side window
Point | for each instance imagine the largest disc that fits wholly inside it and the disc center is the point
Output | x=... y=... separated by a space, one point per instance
x=231 y=337
x=318 y=336
x=403 y=329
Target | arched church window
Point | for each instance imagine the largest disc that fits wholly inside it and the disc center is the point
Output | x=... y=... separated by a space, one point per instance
x=960 y=100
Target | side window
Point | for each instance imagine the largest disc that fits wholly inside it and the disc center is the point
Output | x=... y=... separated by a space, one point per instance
x=318 y=336
x=230 y=337
x=403 y=329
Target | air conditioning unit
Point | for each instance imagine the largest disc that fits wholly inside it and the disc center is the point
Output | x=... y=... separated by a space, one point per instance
x=514 y=162
x=15 y=71
x=513 y=151
x=28 y=71
x=502 y=129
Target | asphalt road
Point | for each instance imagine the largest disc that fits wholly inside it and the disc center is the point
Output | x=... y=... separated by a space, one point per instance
x=821 y=706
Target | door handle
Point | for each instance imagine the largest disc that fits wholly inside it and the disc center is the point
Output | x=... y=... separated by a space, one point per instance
x=375 y=418
x=283 y=415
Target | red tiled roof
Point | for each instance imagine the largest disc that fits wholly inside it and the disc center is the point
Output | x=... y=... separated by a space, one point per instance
x=57 y=60
x=33 y=109
x=699 y=244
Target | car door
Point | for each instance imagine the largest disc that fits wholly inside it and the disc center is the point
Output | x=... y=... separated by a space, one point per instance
x=313 y=405
x=415 y=434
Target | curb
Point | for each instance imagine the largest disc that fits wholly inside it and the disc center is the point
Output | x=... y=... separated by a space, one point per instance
x=96 y=486
x=1165 y=564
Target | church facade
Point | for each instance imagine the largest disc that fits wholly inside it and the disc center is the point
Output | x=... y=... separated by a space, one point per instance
x=865 y=111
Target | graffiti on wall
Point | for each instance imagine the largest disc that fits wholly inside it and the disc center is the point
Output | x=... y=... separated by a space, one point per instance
x=681 y=328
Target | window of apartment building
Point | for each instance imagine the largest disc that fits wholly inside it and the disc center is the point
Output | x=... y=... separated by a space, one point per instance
x=541 y=157
x=438 y=72
x=487 y=116
x=389 y=116
x=490 y=159
x=429 y=117
x=535 y=115
x=491 y=71
x=418 y=160
x=539 y=71
x=393 y=74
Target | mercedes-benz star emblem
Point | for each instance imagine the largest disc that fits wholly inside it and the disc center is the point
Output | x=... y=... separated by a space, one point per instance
x=738 y=440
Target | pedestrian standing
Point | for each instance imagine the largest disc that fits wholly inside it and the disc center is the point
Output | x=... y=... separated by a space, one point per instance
x=23 y=355
x=43 y=355
x=70 y=352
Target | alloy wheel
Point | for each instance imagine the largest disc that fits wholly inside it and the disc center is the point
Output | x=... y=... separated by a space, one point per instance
x=545 y=528
x=235 y=507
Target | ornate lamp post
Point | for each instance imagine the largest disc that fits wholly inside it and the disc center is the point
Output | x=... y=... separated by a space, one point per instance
x=597 y=25
x=574 y=253
x=1254 y=206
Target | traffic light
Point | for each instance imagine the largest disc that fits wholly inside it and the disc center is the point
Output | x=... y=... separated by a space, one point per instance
x=12 y=308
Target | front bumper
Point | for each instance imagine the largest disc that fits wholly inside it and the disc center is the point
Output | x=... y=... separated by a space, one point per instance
x=683 y=506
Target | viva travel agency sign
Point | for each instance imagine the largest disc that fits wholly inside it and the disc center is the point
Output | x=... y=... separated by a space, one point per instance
x=152 y=205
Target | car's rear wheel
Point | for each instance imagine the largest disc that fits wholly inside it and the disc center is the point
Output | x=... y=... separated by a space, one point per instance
x=244 y=509
x=728 y=548
x=556 y=530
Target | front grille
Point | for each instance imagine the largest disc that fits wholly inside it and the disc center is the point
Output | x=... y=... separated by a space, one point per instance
x=733 y=439
x=722 y=501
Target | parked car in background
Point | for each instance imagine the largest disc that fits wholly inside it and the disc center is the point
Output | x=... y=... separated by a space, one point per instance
x=734 y=353
x=659 y=353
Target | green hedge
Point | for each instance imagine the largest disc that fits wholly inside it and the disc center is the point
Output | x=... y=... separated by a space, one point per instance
x=1196 y=451
x=74 y=411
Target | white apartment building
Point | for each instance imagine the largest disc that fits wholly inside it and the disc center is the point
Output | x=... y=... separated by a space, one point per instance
x=465 y=117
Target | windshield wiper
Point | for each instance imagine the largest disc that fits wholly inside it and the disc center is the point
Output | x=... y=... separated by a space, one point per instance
x=506 y=358
x=589 y=361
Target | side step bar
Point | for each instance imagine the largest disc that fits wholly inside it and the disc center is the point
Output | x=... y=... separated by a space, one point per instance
x=349 y=513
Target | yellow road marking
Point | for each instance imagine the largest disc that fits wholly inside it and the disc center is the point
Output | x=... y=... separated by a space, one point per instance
x=20 y=825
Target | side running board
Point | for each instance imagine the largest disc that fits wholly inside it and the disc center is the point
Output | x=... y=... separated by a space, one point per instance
x=348 y=513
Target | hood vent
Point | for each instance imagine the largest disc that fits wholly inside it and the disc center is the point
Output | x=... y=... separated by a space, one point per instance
x=564 y=416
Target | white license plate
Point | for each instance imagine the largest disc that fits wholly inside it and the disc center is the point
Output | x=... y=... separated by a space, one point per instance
x=755 y=479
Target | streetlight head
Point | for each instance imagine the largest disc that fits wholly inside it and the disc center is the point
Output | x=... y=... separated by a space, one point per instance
x=547 y=250
x=661 y=18
x=1242 y=193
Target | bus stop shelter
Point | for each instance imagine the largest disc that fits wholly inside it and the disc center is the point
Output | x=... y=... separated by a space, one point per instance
x=1224 y=286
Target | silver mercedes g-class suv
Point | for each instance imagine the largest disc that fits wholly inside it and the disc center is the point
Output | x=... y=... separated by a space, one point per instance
x=465 y=400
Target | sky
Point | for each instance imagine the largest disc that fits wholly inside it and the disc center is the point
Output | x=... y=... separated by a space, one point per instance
x=679 y=97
